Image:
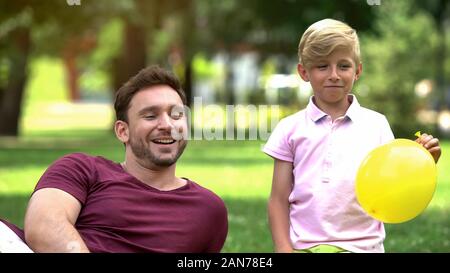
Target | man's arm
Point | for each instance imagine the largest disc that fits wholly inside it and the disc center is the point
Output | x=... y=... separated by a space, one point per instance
x=278 y=206
x=50 y=222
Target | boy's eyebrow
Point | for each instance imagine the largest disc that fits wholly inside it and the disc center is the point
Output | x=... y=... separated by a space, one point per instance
x=345 y=60
x=324 y=60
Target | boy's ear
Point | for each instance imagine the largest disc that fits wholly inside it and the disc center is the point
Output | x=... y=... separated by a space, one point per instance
x=358 y=71
x=302 y=72
x=122 y=131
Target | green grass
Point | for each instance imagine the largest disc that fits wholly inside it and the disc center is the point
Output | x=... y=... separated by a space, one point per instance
x=236 y=170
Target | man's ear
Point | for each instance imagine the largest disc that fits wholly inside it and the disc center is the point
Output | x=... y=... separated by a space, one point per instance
x=122 y=131
x=302 y=72
x=358 y=72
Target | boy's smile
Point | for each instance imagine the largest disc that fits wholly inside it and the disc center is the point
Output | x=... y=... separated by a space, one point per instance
x=332 y=79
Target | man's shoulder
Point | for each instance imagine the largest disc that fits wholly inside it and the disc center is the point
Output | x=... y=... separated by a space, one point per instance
x=201 y=189
x=83 y=162
x=77 y=156
x=84 y=158
x=208 y=194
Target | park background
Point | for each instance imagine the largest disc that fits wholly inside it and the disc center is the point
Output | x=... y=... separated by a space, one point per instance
x=62 y=60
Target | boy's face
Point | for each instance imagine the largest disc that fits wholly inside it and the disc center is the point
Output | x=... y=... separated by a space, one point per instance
x=332 y=78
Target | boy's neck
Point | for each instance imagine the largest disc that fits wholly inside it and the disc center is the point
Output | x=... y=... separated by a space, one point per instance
x=334 y=110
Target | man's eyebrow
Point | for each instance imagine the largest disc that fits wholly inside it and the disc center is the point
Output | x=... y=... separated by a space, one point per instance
x=154 y=108
x=148 y=109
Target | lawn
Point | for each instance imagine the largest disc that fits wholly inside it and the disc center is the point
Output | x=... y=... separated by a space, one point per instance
x=235 y=170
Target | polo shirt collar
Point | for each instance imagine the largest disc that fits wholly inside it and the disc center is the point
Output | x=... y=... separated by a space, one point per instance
x=315 y=114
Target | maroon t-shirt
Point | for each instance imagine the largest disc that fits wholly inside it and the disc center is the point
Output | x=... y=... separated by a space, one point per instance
x=122 y=214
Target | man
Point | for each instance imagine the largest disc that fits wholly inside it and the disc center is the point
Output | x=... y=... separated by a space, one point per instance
x=90 y=204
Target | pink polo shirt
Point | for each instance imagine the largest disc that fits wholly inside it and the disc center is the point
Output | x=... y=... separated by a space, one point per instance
x=326 y=157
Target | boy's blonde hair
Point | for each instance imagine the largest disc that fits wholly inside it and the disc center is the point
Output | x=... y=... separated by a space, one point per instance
x=325 y=36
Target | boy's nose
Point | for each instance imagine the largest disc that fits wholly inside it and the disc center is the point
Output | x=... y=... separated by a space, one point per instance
x=334 y=76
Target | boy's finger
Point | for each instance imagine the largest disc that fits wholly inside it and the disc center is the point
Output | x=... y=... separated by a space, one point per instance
x=431 y=143
x=422 y=138
x=435 y=149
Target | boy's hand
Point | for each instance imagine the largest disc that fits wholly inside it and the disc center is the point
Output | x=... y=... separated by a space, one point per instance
x=431 y=144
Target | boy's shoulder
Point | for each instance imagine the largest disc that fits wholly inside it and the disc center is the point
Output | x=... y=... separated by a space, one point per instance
x=371 y=113
x=293 y=120
x=295 y=116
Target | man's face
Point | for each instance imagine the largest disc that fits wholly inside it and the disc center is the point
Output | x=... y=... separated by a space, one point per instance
x=332 y=77
x=156 y=120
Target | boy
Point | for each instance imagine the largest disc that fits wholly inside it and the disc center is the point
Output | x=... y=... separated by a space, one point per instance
x=317 y=152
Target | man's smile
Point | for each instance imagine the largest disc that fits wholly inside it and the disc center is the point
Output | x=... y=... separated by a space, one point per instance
x=163 y=141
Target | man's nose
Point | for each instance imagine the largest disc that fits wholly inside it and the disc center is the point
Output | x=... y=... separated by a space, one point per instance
x=165 y=122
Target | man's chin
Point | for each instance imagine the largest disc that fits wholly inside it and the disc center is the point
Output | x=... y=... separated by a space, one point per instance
x=164 y=163
x=164 y=160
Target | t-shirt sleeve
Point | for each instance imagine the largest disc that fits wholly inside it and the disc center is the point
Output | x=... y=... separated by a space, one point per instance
x=219 y=221
x=72 y=173
x=278 y=144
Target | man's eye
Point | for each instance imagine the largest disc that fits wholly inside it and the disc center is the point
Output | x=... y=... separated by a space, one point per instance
x=150 y=117
x=177 y=115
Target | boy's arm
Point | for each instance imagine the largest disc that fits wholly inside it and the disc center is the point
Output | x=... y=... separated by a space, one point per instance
x=50 y=222
x=431 y=144
x=278 y=206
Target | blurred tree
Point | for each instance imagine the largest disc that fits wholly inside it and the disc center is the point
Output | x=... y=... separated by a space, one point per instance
x=15 y=45
x=138 y=23
x=144 y=22
x=268 y=27
x=27 y=26
x=74 y=28
x=71 y=51
x=394 y=59
x=30 y=27
x=440 y=12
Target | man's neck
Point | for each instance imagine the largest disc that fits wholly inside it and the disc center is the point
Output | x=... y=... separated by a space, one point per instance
x=161 y=178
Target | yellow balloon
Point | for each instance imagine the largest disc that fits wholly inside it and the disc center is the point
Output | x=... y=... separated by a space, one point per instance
x=396 y=181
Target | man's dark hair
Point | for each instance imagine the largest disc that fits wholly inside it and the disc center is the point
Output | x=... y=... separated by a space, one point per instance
x=147 y=77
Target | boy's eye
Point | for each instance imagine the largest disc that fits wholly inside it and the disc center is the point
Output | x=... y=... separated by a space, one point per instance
x=345 y=66
x=322 y=66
